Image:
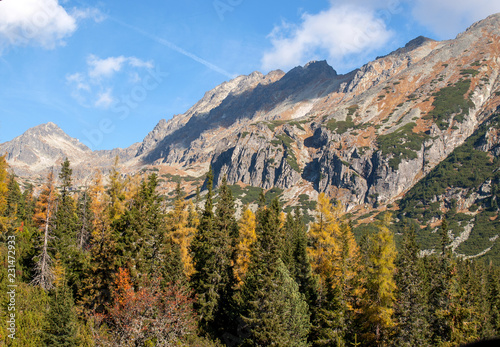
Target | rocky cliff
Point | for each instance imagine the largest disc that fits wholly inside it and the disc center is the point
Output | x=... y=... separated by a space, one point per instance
x=365 y=137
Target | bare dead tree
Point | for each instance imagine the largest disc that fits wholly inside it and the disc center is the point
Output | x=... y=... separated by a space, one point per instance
x=44 y=274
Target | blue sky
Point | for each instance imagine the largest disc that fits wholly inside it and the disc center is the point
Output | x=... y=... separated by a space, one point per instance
x=107 y=72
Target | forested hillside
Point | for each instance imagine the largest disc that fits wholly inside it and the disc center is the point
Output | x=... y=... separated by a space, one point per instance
x=464 y=190
x=115 y=265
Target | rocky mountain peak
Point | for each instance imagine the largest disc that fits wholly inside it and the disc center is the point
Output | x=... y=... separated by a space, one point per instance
x=46 y=129
x=313 y=69
x=417 y=42
x=40 y=147
x=490 y=23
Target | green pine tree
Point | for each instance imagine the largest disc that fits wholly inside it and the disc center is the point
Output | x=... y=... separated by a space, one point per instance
x=274 y=310
x=205 y=280
x=411 y=312
x=66 y=177
x=26 y=208
x=13 y=198
x=300 y=268
x=213 y=254
x=441 y=275
x=61 y=324
x=139 y=232
x=64 y=247
x=85 y=221
x=493 y=288
x=225 y=240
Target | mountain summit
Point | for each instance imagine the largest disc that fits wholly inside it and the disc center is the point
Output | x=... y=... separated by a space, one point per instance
x=42 y=147
x=366 y=136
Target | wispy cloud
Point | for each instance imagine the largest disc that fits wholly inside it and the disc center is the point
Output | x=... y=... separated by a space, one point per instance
x=88 y=13
x=335 y=33
x=104 y=99
x=42 y=23
x=176 y=48
x=78 y=80
x=96 y=86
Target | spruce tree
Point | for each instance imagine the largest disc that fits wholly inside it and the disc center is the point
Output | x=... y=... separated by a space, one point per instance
x=494 y=298
x=4 y=225
x=439 y=297
x=99 y=274
x=298 y=262
x=277 y=313
x=140 y=231
x=84 y=227
x=206 y=278
x=61 y=324
x=213 y=255
x=27 y=206
x=13 y=198
x=66 y=178
x=226 y=235
x=411 y=312
x=64 y=249
x=274 y=310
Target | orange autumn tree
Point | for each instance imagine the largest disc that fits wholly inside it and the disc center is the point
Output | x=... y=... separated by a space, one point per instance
x=148 y=314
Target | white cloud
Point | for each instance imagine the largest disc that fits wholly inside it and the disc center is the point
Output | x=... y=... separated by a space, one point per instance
x=88 y=13
x=103 y=78
x=446 y=18
x=104 y=99
x=335 y=33
x=79 y=81
x=107 y=67
x=104 y=67
x=38 y=22
x=133 y=61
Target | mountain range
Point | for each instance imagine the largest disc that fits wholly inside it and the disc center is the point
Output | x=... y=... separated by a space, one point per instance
x=369 y=138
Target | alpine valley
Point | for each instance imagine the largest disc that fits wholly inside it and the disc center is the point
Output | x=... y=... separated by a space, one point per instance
x=416 y=131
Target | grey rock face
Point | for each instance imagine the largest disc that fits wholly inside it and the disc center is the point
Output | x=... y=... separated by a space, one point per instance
x=313 y=127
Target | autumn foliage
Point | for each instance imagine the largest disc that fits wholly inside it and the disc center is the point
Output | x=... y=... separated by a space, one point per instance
x=149 y=313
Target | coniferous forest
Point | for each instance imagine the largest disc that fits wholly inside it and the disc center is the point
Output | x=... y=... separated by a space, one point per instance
x=113 y=265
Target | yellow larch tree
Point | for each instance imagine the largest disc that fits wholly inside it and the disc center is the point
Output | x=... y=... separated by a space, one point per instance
x=247 y=237
x=98 y=206
x=181 y=227
x=116 y=192
x=380 y=284
x=334 y=256
x=324 y=234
